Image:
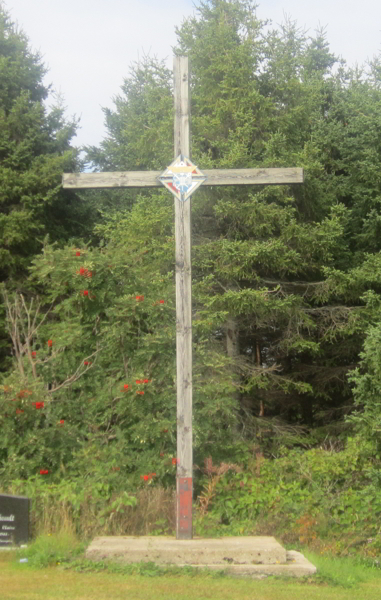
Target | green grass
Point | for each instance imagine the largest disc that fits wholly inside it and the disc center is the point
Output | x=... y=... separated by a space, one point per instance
x=48 y=550
x=345 y=572
x=56 y=570
x=22 y=582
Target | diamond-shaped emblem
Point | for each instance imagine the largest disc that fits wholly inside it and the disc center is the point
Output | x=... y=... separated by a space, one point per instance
x=182 y=177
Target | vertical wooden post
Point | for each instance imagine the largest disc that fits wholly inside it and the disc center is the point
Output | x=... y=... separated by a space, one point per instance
x=184 y=485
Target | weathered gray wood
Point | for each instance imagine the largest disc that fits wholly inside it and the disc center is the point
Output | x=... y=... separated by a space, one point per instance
x=182 y=105
x=111 y=180
x=253 y=176
x=214 y=177
x=183 y=314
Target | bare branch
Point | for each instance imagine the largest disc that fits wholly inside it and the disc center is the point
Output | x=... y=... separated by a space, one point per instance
x=77 y=374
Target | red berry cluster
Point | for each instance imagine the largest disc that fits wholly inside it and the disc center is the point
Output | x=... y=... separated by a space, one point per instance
x=85 y=272
x=147 y=477
x=126 y=386
x=87 y=293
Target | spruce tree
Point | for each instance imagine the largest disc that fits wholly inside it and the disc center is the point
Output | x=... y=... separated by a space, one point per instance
x=277 y=265
x=35 y=148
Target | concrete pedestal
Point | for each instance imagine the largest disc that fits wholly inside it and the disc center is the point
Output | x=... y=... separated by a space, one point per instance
x=239 y=556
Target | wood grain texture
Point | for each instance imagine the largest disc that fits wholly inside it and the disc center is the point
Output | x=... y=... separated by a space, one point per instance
x=111 y=180
x=182 y=106
x=183 y=337
x=214 y=177
x=183 y=310
x=183 y=362
x=253 y=176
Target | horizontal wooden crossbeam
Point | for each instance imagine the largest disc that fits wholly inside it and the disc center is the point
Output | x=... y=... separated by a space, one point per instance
x=137 y=179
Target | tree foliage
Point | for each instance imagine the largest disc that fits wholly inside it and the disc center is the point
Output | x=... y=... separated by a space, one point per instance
x=35 y=148
x=98 y=369
x=286 y=279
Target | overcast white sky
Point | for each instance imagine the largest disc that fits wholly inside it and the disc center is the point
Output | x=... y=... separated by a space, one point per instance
x=88 y=45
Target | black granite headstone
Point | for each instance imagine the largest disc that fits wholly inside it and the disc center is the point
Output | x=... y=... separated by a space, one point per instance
x=14 y=520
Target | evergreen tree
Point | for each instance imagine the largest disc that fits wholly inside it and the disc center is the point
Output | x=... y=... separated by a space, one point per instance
x=279 y=263
x=262 y=260
x=35 y=148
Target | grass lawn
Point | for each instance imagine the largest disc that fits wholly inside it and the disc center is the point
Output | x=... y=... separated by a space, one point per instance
x=23 y=582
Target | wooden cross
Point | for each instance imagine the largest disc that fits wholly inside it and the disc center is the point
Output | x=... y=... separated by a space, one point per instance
x=137 y=179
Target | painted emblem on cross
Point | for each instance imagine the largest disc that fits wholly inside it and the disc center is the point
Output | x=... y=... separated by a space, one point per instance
x=182 y=178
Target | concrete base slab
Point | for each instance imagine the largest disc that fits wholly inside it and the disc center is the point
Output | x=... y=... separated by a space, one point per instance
x=296 y=566
x=238 y=556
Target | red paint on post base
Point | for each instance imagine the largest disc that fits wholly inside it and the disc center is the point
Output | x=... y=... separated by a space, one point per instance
x=184 y=508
